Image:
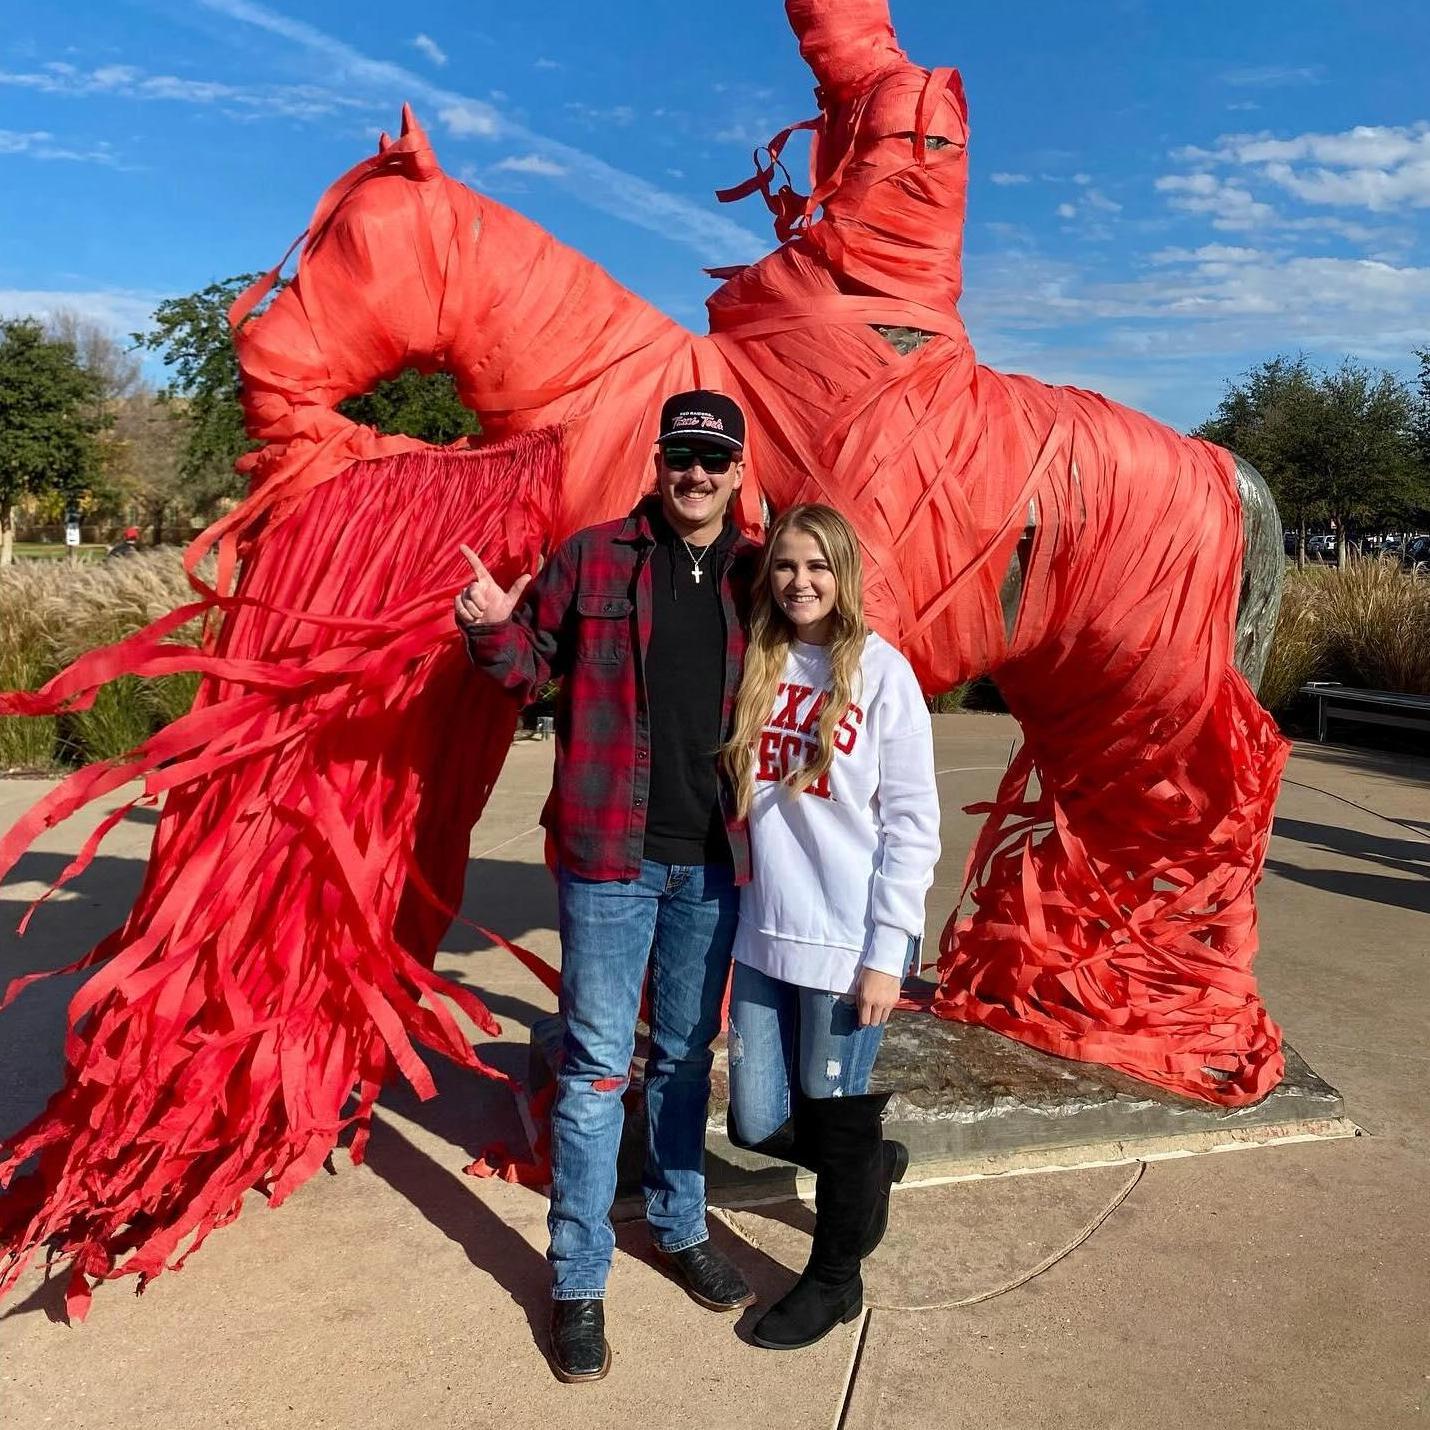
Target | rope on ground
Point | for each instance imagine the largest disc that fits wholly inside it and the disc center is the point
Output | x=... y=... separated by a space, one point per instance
x=1002 y=1290
x=1045 y=1264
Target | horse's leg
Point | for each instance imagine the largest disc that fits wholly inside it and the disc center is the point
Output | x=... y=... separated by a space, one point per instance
x=1113 y=916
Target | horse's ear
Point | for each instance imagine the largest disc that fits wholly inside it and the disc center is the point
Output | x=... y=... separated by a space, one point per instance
x=384 y=142
x=421 y=161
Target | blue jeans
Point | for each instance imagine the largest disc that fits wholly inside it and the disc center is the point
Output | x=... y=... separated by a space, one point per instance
x=788 y=1042
x=680 y=920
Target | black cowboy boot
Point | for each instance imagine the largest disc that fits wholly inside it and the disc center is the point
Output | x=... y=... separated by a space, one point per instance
x=709 y=1277
x=849 y=1174
x=578 y=1340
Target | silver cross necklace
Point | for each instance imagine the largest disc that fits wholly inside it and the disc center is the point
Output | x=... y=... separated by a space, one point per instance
x=694 y=559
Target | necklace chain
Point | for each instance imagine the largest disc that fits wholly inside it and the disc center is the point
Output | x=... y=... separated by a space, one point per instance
x=694 y=559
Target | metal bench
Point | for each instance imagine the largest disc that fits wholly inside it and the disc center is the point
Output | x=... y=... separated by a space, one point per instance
x=1370 y=707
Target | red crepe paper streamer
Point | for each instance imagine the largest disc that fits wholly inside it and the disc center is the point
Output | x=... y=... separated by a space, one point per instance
x=277 y=963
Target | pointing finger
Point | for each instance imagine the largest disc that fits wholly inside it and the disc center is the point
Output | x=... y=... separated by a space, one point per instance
x=475 y=561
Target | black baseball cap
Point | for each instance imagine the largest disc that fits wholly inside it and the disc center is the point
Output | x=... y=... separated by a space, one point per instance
x=702 y=416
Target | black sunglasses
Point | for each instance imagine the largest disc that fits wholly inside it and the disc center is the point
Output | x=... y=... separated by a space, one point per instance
x=681 y=459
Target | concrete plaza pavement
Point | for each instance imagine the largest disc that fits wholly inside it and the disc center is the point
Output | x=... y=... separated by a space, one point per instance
x=1272 y=1287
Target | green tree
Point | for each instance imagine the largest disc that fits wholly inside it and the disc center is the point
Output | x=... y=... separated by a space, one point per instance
x=50 y=421
x=119 y=383
x=1421 y=423
x=417 y=405
x=1337 y=445
x=150 y=437
x=192 y=335
x=1367 y=466
x=1271 y=418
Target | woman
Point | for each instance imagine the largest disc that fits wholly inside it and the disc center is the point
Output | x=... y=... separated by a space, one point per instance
x=831 y=757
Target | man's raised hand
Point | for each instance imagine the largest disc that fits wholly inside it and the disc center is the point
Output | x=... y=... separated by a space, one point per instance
x=483 y=602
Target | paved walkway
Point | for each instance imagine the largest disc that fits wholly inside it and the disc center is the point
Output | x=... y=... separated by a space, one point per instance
x=1267 y=1288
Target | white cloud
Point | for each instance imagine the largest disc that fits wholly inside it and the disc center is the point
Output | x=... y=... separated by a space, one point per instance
x=1089 y=209
x=1378 y=168
x=545 y=64
x=1207 y=253
x=1226 y=202
x=293 y=101
x=39 y=144
x=619 y=115
x=531 y=164
x=1274 y=76
x=1373 y=189
x=1215 y=299
x=120 y=311
x=471 y=118
x=429 y=47
x=715 y=237
x=750 y=133
x=1005 y=179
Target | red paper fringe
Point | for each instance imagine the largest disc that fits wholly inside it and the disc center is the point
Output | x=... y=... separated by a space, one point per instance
x=277 y=962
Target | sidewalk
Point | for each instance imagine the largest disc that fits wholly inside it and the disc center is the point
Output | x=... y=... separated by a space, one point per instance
x=1277 y=1287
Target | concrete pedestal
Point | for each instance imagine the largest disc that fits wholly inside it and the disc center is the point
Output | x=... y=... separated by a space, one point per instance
x=969 y=1102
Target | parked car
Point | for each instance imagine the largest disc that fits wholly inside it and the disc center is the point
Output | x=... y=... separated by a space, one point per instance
x=1417 y=552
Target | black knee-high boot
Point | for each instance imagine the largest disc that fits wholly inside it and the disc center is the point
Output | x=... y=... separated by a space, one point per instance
x=788 y=1142
x=893 y=1163
x=849 y=1171
x=795 y=1141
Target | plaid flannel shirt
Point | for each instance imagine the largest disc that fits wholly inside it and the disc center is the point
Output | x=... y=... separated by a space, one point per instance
x=586 y=620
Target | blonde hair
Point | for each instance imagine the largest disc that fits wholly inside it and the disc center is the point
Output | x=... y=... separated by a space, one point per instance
x=770 y=636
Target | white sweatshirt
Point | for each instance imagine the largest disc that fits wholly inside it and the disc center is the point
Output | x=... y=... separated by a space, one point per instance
x=840 y=871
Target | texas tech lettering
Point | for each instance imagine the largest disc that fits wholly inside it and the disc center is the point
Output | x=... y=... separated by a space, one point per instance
x=790 y=739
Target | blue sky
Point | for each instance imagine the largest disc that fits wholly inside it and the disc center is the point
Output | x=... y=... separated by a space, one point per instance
x=1161 y=195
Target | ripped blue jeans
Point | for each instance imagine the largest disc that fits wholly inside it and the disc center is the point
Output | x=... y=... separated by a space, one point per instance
x=786 y=1042
x=677 y=921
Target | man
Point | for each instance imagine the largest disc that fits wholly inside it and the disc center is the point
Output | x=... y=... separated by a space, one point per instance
x=644 y=621
x=128 y=547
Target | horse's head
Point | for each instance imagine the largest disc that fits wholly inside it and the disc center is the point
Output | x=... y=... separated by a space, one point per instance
x=405 y=267
x=889 y=160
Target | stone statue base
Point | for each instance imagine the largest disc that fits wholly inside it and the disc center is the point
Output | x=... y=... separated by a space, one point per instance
x=968 y=1102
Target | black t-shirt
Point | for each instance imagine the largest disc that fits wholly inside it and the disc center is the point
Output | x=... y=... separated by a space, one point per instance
x=685 y=683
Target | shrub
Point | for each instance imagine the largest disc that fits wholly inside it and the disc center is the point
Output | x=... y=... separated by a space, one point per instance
x=949 y=701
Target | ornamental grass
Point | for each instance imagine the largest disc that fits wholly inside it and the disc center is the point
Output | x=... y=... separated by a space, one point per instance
x=50 y=614
x=1367 y=626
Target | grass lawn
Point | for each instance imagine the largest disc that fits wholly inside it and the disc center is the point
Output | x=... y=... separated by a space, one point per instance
x=54 y=551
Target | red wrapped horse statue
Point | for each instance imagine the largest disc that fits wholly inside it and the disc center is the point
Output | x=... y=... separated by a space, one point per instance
x=1118 y=580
